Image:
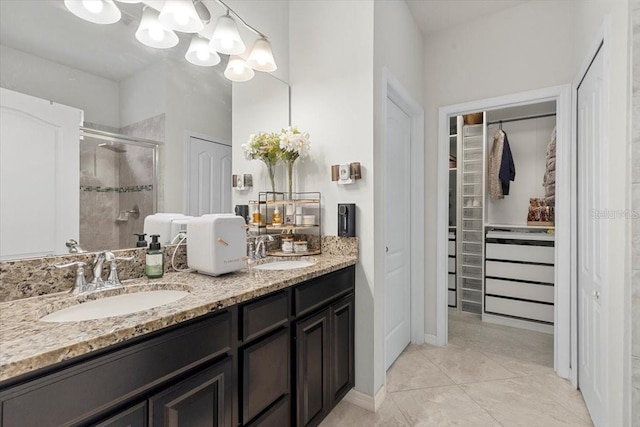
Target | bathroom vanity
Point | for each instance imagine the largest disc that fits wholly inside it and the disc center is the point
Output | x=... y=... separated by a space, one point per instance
x=273 y=348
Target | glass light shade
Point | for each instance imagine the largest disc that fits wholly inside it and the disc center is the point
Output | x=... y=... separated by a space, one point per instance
x=96 y=11
x=226 y=38
x=180 y=15
x=129 y=1
x=200 y=53
x=152 y=33
x=261 y=57
x=238 y=70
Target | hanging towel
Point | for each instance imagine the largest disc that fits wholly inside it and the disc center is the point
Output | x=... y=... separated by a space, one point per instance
x=507 y=167
x=549 y=180
x=494 y=161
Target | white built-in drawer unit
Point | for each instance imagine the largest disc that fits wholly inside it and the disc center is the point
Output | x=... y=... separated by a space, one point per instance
x=452 y=281
x=452 y=248
x=519 y=275
x=517 y=308
x=453 y=296
x=452 y=265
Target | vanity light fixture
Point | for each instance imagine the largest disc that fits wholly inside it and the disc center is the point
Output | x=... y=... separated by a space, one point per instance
x=226 y=37
x=261 y=57
x=96 y=11
x=200 y=53
x=160 y=19
x=152 y=33
x=238 y=70
x=180 y=15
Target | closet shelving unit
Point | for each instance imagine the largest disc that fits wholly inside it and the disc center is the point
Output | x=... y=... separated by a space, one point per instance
x=471 y=172
x=453 y=170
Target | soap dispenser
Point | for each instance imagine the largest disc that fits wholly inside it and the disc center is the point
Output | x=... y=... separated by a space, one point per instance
x=154 y=265
x=141 y=243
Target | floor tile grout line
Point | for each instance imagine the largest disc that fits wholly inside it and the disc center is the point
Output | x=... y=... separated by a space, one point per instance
x=480 y=406
x=406 y=418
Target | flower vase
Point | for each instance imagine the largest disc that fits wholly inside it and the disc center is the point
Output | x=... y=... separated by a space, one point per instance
x=271 y=168
x=290 y=176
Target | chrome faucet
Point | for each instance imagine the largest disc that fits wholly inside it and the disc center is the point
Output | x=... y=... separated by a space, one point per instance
x=80 y=285
x=113 y=280
x=98 y=265
x=261 y=246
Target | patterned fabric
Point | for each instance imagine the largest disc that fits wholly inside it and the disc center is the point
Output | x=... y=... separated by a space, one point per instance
x=494 y=162
x=549 y=180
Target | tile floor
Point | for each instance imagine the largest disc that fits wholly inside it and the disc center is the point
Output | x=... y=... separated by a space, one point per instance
x=488 y=375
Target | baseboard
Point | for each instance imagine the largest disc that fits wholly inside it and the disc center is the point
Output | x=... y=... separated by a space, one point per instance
x=430 y=339
x=518 y=323
x=365 y=401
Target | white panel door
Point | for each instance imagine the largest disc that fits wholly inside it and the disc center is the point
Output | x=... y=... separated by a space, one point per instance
x=39 y=176
x=397 y=235
x=592 y=242
x=208 y=177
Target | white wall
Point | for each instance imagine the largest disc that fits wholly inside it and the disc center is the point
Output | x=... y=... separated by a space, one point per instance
x=203 y=109
x=398 y=48
x=143 y=94
x=522 y=48
x=96 y=96
x=331 y=78
x=589 y=19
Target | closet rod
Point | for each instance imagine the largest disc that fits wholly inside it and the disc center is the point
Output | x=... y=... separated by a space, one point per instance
x=539 y=116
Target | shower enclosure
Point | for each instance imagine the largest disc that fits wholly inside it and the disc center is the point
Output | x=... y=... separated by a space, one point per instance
x=118 y=188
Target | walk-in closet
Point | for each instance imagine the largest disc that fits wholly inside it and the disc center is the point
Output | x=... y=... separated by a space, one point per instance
x=501 y=216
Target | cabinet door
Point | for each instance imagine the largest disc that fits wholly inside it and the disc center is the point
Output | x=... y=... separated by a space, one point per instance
x=135 y=416
x=204 y=399
x=312 y=370
x=342 y=346
x=265 y=373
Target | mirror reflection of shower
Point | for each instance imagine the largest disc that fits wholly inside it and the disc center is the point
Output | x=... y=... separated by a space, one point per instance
x=118 y=188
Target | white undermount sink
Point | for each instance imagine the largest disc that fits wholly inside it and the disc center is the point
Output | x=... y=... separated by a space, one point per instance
x=284 y=265
x=117 y=305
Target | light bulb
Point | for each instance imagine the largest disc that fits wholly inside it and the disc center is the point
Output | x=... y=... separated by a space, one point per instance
x=226 y=43
x=156 y=33
x=181 y=18
x=93 y=6
x=238 y=69
x=203 y=54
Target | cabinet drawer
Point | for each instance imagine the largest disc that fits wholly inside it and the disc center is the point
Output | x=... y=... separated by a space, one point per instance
x=265 y=373
x=531 y=272
x=452 y=281
x=135 y=416
x=320 y=291
x=452 y=248
x=452 y=265
x=452 y=298
x=264 y=315
x=529 y=291
x=84 y=390
x=526 y=253
x=523 y=309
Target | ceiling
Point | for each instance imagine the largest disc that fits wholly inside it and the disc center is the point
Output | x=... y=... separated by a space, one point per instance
x=436 y=15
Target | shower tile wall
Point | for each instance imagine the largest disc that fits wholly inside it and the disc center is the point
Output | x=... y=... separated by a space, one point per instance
x=99 y=203
x=136 y=170
x=635 y=221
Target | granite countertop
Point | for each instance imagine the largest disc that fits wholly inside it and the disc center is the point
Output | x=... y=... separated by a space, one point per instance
x=27 y=344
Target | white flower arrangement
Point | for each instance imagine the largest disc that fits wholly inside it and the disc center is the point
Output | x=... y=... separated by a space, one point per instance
x=293 y=143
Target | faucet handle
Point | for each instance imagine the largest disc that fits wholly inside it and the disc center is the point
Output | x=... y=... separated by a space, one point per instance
x=113 y=280
x=125 y=258
x=80 y=285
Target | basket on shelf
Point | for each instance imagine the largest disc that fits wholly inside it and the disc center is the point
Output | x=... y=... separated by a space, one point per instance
x=472 y=119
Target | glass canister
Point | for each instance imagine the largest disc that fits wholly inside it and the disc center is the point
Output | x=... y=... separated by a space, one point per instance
x=287 y=245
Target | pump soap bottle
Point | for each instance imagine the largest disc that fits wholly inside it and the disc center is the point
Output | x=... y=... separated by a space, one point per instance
x=141 y=243
x=154 y=266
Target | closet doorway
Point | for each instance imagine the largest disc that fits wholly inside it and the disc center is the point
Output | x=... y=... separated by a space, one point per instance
x=496 y=265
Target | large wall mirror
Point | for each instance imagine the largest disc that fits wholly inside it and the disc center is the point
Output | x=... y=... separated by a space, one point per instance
x=141 y=107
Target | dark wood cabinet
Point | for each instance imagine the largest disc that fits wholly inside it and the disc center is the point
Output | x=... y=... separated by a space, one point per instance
x=135 y=416
x=312 y=371
x=342 y=347
x=265 y=373
x=283 y=359
x=202 y=400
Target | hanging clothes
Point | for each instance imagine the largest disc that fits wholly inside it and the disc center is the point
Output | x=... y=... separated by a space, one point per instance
x=494 y=162
x=549 y=180
x=507 y=167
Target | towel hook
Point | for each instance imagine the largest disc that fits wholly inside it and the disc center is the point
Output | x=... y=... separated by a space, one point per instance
x=500 y=124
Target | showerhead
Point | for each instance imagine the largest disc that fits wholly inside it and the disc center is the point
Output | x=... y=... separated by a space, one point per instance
x=113 y=147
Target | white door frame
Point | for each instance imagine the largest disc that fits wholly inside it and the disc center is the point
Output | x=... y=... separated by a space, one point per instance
x=187 y=138
x=393 y=90
x=563 y=345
